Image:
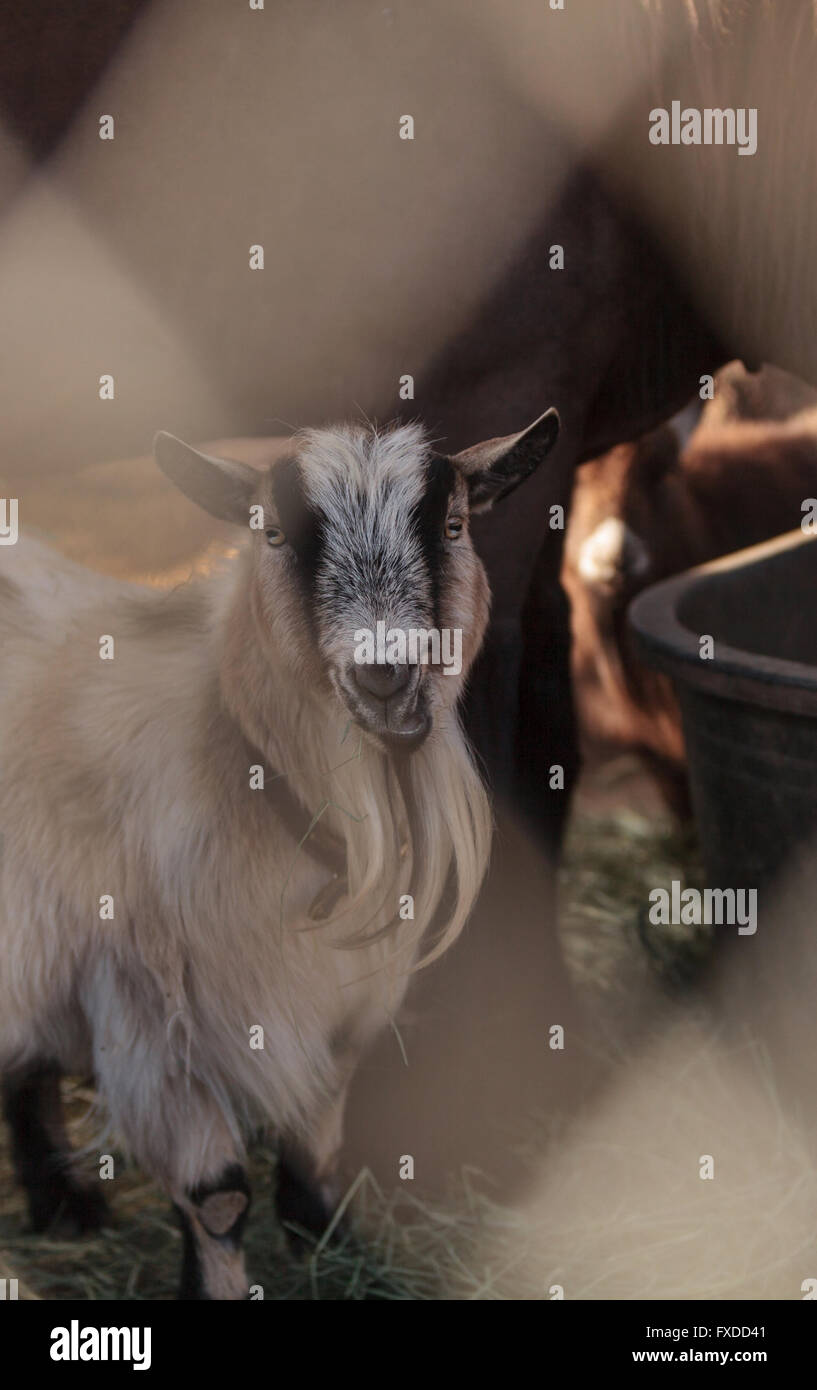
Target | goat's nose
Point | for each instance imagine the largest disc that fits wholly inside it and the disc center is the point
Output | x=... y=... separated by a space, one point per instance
x=381 y=679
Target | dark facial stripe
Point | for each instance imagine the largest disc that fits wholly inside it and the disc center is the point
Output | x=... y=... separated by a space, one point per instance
x=429 y=523
x=301 y=524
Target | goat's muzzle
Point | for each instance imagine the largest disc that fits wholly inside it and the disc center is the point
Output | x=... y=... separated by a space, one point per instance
x=389 y=701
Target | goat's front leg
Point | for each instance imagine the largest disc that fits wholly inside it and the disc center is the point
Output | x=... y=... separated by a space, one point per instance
x=176 y=1131
x=213 y=1215
x=210 y=1191
x=306 y=1193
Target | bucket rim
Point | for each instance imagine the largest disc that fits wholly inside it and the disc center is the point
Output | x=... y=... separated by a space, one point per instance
x=733 y=673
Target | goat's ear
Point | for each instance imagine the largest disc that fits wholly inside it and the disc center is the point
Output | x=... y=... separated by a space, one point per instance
x=223 y=488
x=496 y=467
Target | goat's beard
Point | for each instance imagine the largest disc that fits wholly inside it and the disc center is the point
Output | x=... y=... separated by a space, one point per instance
x=419 y=824
x=450 y=822
x=434 y=799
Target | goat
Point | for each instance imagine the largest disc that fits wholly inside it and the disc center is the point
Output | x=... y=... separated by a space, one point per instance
x=212 y=891
x=656 y=507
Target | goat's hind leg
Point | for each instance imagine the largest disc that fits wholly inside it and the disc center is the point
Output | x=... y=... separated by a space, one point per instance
x=43 y=1160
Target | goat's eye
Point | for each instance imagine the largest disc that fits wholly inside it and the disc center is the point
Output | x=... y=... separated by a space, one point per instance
x=274 y=535
x=453 y=528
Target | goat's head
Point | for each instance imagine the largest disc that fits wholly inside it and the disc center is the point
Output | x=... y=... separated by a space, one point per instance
x=364 y=578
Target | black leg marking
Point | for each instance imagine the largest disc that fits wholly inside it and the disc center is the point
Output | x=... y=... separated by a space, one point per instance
x=300 y=1202
x=42 y=1154
x=191 y=1283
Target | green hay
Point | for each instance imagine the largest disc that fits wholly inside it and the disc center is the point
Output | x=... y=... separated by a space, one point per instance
x=414 y=1251
x=611 y=864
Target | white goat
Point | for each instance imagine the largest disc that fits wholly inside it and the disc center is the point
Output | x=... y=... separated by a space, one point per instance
x=168 y=922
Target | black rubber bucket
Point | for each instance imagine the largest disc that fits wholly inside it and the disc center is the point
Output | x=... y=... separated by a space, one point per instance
x=750 y=712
